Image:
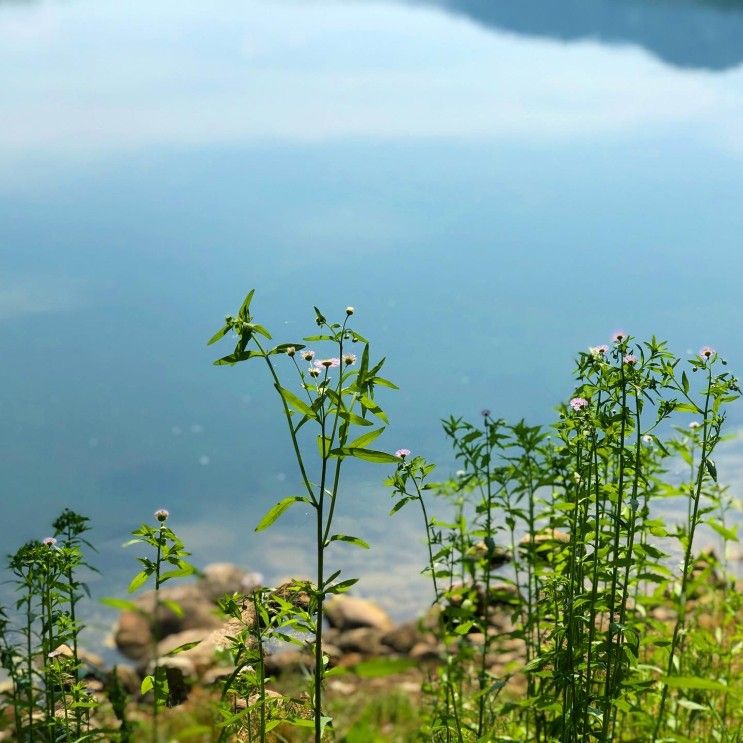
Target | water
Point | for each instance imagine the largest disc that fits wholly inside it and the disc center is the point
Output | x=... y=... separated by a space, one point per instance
x=493 y=188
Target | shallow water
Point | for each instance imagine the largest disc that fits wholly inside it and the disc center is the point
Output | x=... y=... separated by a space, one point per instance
x=492 y=187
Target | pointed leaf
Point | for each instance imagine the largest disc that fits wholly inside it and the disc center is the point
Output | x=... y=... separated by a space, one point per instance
x=277 y=510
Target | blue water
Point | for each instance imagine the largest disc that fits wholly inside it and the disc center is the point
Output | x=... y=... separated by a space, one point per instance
x=493 y=190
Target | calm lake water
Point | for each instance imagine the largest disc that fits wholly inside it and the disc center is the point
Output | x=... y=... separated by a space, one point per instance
x=492 y=185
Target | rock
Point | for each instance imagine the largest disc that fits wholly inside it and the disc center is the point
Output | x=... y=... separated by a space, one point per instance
x=403 y=637
x=201 y=656
x=217 y=675
x=288 y=660
x=132 y=633
x=349 y=612
x=127 y=677
x=220 y=578
x=423 y=651
x=364 y=640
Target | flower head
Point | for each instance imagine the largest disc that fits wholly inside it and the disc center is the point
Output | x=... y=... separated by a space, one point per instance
x=313 y=371
x=598 y=351
x=485 y=413
x=327 y=363
x=290 y=351
x=707 y=352
x=618 y=336
x=308 y=354
x=695 y=424
x=161 y=515
x=49 y=541
x=349 y=311
x=349 y=358
x=402 y=453
x=630 y=359
x=578 y=403
x=647 y=439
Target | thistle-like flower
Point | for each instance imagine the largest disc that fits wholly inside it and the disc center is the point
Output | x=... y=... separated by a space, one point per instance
x=630 y=359
x=349 y=358
x=402 y=453
x=49 y=541
x=599 y=351
x=618 y=336
x=161 y=515
x=707 y=352
x=308 y=354
x=349 y=311
x=291 y=351
x=578 y=403
x=485 y=412
x=313 y=371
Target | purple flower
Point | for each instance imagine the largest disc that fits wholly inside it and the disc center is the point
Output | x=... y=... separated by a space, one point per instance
x=402 y=453
x=349 y=358
x=161 y=515
x=485 y=413
x=49 y=541
x=578 y=403
x=308 y=354
x=707 y=352
x=618 y=336
x=630 y=359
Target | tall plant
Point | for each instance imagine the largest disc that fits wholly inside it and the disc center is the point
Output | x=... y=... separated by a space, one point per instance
x=334 y=397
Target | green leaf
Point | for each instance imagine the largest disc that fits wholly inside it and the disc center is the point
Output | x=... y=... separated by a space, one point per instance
x=693 y=682
x=382 y=382
x=148 y=682
x=364 y=440
x=711 y=468
x=174 y=606
x=685 y=382
x=373 y=408
x=295 y=402
x=323 y=446
x=139 y=580
x=122 y=605
x=351 y=540
x=728 y=533
x=277 y=510
x=357 y=420
x=234 y=358
x=221 y=333
x=371 y=455
x=343 y=586
x=184 y=647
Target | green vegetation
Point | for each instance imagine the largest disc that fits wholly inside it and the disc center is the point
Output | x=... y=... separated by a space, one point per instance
x=565 y=607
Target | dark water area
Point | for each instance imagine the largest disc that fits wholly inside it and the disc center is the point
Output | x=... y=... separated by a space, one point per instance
x=492 y=186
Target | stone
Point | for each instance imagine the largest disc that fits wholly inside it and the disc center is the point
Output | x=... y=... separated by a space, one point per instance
x=423 y=651
x=350 y=612
x=364 y=640
x=223 y=578
x=402 y=638
x=288 y=661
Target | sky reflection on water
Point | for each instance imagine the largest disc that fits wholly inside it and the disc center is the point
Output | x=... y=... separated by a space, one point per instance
x=490 y=202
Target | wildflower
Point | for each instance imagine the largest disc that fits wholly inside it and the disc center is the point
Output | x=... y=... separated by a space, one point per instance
x=308 y=354
x=695 y=424
x=707 y=352
x=618 y=336
x=630 y=359
x=648 y=439
x=328 y=363
x=291 y=351
x=161 y=515
x=485 y=413
x=49 y=541
x=598 y=351
x=313 y=371
x=349 y=358
x=349 y=311
x=402 y=453
x=578 y=403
